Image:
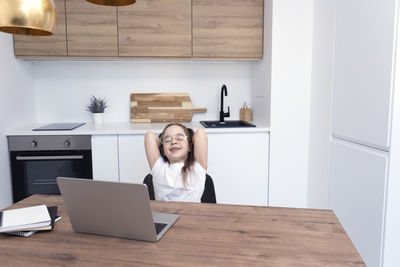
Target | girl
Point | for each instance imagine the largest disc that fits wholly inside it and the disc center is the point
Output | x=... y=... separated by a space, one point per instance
x=178 y=162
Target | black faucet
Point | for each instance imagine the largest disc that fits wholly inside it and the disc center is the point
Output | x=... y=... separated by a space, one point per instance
x=222 y=114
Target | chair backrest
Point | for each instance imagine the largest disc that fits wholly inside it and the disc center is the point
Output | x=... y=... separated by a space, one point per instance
x=148 y=180
x=207 y=197
x=209 y=191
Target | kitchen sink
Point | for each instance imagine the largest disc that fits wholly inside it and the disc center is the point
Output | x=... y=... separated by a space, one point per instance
x=226 y=124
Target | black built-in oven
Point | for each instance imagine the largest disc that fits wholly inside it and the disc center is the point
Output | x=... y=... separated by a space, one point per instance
x=37 y=161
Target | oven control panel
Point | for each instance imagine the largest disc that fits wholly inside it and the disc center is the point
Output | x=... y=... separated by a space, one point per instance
x=49 y=142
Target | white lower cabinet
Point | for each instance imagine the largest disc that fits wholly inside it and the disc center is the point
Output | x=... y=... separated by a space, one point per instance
x=105 y=158
x=237 y=162
x=133 y=166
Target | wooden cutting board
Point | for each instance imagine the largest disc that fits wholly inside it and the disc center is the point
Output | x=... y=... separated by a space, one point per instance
x=170 y=107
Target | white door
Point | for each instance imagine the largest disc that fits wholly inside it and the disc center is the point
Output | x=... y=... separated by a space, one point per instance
x=357 y=195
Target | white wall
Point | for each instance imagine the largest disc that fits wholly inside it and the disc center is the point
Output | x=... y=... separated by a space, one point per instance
x=321 y=103
x=261 y=74
x=63 y=89
x=16 y=106
x=292 y=41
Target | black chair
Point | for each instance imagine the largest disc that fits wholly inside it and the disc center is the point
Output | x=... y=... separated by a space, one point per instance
x=209 y=191
x=148 y=180
x=207 y=197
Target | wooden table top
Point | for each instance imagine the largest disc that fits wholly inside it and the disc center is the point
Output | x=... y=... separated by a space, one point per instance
x=204 y=235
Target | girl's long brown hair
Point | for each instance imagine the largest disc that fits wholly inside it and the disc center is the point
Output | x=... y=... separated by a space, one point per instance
x=190 y=157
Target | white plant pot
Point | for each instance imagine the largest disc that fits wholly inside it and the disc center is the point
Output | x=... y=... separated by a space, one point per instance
x=98 y=118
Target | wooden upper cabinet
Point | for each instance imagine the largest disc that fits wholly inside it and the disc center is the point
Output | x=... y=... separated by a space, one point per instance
x=228 y=28
x=155 y=28
x=54 y=45
x=92 y=29
x=193 y=29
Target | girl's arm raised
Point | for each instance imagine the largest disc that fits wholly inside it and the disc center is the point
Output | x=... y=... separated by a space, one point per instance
x=200 y=144
x=151 y=143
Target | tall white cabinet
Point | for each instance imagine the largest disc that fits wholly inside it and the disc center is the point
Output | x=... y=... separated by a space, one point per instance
x=361 y=173
x=357 y=195
x=363 y=58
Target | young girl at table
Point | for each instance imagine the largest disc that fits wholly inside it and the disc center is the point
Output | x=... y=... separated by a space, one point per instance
x=178 y=162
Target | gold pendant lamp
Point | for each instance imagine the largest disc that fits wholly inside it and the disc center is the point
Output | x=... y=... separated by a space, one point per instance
x=112 y=2
x=28 y=17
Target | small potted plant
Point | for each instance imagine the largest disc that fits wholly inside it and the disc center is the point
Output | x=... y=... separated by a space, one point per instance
x=97 y=107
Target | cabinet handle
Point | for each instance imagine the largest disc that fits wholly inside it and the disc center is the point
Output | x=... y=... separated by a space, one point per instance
x=48 y=157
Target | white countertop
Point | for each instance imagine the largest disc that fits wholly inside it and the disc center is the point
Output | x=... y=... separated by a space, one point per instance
x=123 y=128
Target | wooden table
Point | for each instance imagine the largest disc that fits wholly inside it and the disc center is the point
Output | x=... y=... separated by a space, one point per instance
x=204 y=235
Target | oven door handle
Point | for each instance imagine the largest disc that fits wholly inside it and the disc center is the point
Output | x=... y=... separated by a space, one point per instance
x=49 y=157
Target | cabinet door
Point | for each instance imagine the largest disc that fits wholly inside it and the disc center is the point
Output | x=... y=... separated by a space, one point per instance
x=228 y=28
x=105 y=157
x=357 y=184
x=91 y=29
x=133 y=166
x=364 y=40
x=54 y=45
x=238 y=164
x=155 y=28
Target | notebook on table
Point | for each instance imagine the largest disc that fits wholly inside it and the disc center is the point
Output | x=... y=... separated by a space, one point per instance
x=113 y=209
x=54 y=219
x=24 y=218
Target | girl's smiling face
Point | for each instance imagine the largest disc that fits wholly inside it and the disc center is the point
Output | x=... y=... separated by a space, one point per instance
x=175 y=144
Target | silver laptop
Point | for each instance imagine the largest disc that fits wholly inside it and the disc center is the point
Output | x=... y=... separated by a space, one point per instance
x=113 y=209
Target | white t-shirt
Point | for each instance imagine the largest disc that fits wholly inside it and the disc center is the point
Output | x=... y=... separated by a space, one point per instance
x=168 y=182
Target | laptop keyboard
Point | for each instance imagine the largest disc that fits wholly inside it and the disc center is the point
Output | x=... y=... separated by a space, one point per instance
x=159 y=227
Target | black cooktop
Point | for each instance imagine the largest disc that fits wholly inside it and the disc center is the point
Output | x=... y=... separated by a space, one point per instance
x=59 y=126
